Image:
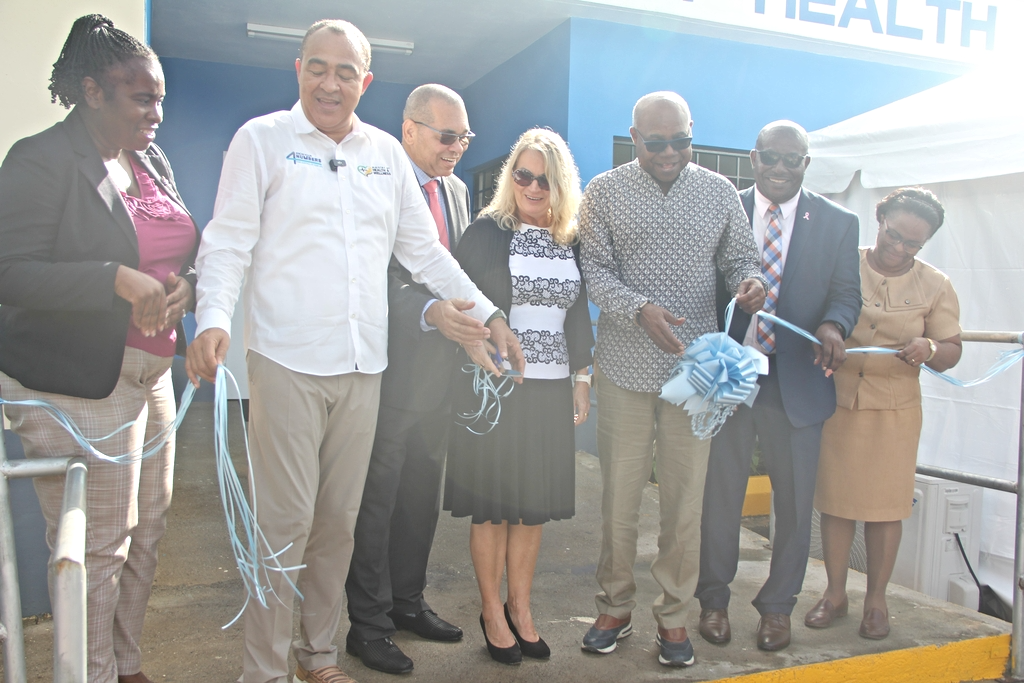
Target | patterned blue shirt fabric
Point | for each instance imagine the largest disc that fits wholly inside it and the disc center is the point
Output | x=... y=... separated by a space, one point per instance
x=640 y=245
x=545 y=283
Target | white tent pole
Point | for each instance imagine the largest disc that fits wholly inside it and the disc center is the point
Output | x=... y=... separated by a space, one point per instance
x=1016 y=640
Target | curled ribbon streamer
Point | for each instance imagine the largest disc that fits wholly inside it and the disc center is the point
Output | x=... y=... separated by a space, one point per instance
x=253 y=554
x=490 y=398
x=250 y=547
x=150 y=447
x=715 y=374
x=1005 y=361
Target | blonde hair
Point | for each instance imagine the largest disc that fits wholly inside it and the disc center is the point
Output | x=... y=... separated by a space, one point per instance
x=562 y=175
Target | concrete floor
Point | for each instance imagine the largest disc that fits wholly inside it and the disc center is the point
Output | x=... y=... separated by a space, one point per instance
x=198 y=590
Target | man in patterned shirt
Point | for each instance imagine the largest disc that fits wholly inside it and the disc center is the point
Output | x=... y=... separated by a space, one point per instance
x=654 y=233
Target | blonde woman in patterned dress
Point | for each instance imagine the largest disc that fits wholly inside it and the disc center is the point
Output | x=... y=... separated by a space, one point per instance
x=522 y=253
x=869 y=447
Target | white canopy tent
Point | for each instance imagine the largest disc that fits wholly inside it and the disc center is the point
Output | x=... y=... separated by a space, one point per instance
x=964 y=140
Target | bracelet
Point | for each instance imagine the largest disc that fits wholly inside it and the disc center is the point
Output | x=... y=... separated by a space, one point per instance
x=934 y=347
x=583 y=378
x=636 y=313
x=497 y=314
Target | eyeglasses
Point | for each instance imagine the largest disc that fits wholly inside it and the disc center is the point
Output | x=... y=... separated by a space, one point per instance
x=896 y=239
x=658 y=146
x=769 y=158
x=525 y=178
x=449 y=138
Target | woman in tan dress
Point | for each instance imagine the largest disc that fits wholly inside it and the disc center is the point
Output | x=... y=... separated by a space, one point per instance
x=869 y=447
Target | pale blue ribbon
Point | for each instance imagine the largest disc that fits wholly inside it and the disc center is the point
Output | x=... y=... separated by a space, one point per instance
x=490 y=395
x=1007 y=359
x=715 y=374
x=253 y=555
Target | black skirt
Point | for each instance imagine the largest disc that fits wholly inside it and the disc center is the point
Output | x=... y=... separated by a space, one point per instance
x=523 y=470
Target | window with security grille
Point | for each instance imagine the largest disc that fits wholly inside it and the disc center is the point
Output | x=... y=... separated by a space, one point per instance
x=485 y=181
x=734 y=164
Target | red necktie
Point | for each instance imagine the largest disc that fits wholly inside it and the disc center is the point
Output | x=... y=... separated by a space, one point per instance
x=434 y=201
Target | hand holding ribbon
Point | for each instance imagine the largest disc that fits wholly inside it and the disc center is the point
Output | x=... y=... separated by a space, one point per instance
x=715 y=374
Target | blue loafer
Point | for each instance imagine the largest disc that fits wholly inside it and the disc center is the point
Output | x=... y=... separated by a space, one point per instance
x=675 y=654
x=602 y=641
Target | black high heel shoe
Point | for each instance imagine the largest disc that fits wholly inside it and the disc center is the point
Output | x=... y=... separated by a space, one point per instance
x=502 y=655
x=537 y=649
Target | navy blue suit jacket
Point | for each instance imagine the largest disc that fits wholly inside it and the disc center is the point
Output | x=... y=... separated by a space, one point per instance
x=820 y=282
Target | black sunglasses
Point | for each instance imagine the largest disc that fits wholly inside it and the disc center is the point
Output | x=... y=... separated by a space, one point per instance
x=769 y=158
x=525 y=178
x=658 y=146
x=449 y=138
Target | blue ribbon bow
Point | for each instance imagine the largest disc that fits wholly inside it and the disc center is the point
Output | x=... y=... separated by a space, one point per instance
x=715 y=374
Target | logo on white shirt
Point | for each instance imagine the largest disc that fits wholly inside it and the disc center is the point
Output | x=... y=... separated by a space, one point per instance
x=374 y=170
x=300 y=158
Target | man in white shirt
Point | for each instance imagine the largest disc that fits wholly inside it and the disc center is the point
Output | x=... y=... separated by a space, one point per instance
x=311 y=205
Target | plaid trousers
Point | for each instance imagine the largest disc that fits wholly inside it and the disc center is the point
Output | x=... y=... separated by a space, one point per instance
x=126 y=504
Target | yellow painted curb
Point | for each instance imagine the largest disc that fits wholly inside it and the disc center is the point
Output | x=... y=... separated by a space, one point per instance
x=968 y=660
x=759 y=496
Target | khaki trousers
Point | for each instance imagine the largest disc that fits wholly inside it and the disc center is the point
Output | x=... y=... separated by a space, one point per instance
x=635 y=429
x=126 y=505
x=310 y=439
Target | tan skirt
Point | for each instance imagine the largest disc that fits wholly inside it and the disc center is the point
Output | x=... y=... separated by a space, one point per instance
x=866 y=469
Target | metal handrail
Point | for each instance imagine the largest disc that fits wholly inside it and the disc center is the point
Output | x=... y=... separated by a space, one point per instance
x=1015 y=665
x=67 y=564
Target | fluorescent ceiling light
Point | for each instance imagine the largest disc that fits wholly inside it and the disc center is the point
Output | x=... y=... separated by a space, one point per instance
x=296 y=34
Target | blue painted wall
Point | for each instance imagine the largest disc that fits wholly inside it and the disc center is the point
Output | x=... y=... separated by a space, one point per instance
x=530 y=89
x=733 y=88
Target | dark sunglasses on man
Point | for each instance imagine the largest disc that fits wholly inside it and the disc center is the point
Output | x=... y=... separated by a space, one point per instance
x=449 y=138
x=658 y=146
x=523 y=178
x=770 y=158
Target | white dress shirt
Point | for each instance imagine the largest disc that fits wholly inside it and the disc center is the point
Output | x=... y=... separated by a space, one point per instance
x=313 y=244
x=760 y=228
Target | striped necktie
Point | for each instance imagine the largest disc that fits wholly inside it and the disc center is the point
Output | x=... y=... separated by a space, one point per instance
x=771 y=268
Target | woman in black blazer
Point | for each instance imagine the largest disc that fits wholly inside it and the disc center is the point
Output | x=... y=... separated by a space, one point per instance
x=96 y=254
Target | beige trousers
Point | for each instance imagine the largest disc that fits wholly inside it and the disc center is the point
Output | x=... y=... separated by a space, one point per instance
x=126 y=504
x=634 y=430
x=310 y=439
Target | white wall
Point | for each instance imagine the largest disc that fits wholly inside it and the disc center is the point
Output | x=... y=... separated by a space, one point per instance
x=32 y=33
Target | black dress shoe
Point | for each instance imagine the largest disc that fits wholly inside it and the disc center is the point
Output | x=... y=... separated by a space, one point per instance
x=502 y=655
x=427 y=625
x=380 y=654
x=536 y=649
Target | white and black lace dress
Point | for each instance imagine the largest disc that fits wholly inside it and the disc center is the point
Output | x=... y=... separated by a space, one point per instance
x=524 y=469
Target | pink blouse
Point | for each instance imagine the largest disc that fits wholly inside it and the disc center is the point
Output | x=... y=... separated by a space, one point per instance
x=166 y=236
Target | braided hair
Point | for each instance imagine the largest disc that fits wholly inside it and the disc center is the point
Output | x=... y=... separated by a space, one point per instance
x=93 y=47
x=916 y=201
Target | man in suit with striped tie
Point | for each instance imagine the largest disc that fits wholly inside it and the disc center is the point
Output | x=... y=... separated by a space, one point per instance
x=809 y=258
x=401 y=499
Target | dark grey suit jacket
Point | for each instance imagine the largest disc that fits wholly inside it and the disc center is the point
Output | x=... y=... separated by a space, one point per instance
x=64 y=231
x=820 y=282
x=420 y=363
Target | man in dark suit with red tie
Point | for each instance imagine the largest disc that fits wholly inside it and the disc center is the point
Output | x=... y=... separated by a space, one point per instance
x=401 y=500
x=810 y=260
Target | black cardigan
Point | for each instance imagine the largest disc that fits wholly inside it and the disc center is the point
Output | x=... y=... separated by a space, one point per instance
x=483 y=254
x=64 y=231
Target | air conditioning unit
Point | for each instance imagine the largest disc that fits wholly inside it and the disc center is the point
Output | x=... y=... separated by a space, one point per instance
x=929 y=560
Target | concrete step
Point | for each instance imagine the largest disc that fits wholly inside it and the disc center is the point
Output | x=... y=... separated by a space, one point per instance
x=198 y=590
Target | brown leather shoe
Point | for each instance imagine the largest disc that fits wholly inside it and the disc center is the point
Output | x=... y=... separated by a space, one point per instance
x=773 y=632
x=325 y=674
x=822 y=614
x=714 y=626
x=875 y=624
